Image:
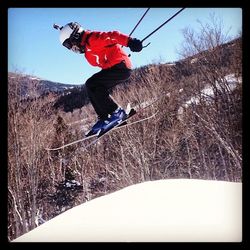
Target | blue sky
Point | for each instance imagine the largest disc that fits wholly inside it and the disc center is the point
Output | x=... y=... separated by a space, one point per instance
x=34 y=47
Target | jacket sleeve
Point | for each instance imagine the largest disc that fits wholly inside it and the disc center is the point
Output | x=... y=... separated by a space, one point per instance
x=108 y=38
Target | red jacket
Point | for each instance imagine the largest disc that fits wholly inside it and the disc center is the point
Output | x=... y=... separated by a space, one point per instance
x=103 y=49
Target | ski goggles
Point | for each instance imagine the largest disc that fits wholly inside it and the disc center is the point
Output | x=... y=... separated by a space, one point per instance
x=73 y=37
x=67 y=43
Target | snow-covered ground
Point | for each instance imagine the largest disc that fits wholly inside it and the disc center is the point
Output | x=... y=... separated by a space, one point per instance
x=207 y=92
x=174 y=210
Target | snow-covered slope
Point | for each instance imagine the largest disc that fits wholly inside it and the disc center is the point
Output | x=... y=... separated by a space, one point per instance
x=175 y=210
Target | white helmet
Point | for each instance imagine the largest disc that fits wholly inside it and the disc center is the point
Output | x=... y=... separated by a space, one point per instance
x=69 y=35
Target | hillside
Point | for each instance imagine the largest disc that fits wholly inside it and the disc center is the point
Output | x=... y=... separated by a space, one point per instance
x=177 y=210
x=33 y=87
x=166 y=72
x=196 y=134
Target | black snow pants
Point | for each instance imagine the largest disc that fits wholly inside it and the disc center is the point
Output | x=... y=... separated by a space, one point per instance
x=100 y=85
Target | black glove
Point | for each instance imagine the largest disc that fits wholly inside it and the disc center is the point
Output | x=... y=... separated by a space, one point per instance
x=135 y=45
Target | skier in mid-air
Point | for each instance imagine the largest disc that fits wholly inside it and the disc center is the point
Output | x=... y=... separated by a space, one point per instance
x=102 y=49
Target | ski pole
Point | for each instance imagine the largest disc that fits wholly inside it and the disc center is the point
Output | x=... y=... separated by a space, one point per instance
x=162 y=25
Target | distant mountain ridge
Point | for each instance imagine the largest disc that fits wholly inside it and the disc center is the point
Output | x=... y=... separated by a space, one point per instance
x=32 y=86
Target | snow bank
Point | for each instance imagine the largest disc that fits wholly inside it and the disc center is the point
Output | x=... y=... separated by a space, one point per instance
x=175 y=210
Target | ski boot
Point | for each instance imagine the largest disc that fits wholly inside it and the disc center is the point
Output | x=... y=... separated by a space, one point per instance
x=115 y=118
x=97 y=128
x=101 y=126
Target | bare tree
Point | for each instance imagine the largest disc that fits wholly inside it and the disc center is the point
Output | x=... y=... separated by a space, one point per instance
x=217 y=89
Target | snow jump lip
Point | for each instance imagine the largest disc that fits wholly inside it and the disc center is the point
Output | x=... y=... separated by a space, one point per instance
x=172 y=210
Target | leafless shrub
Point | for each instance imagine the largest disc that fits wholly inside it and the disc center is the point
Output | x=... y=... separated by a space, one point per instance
x=217 y=114
x=29 y=127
